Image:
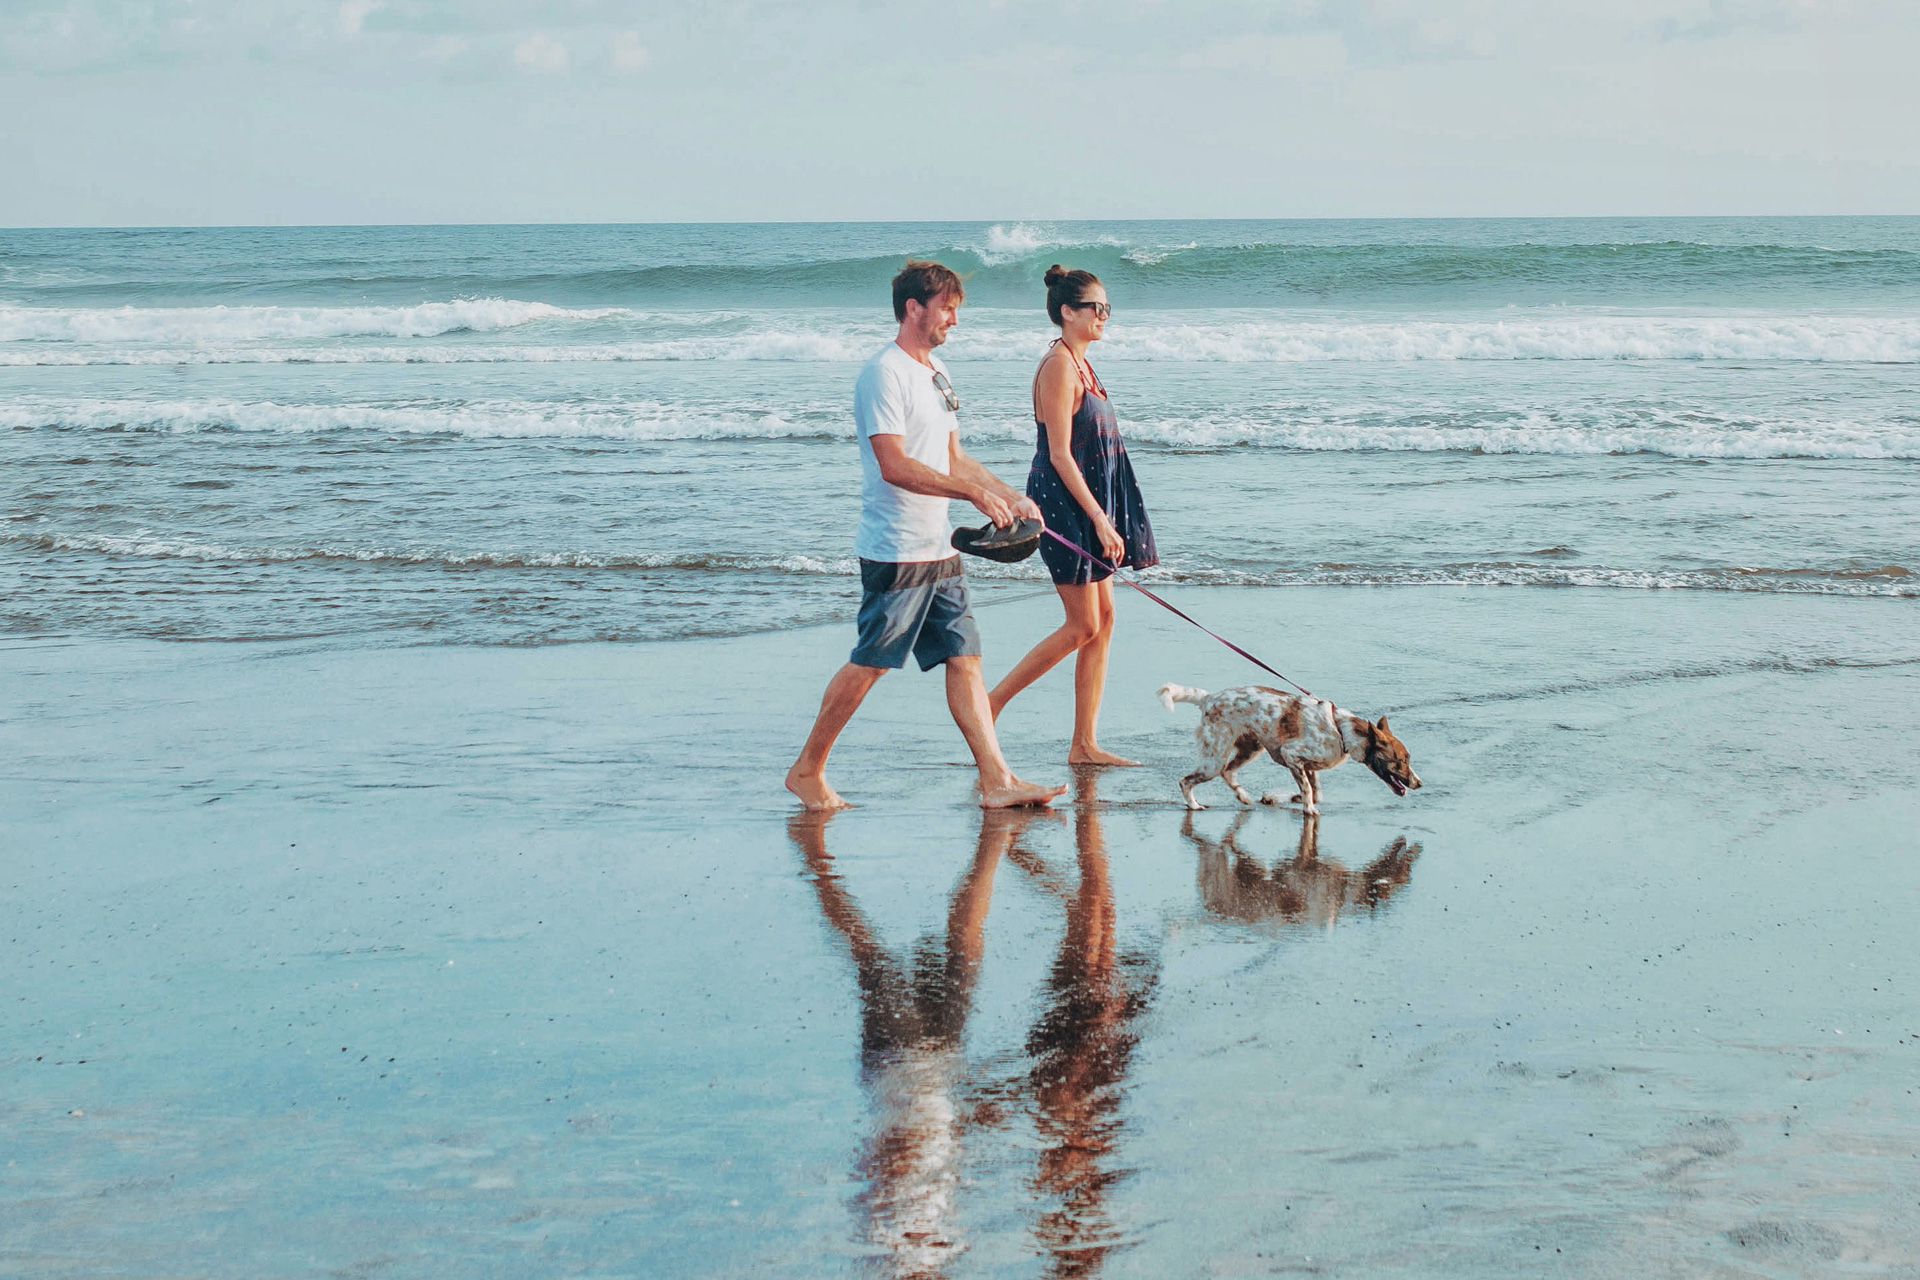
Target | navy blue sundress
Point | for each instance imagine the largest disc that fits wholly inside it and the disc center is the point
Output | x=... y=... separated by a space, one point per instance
x=1102 y=459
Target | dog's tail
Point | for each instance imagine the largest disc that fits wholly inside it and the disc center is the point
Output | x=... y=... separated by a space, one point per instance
x=1172 y=693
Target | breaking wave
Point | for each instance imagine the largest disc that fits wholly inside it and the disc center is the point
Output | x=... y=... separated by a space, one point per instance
x=1881 y=580
x=1724 y=262
x=1678 y=431
x=1674 y=434
x=150 y=546
x=351 y=335
x=1532 y=337
x=506 y=420
x=199 y=325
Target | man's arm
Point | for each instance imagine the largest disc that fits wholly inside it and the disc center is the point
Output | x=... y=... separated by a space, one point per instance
x=976 y=484
x=965 y=466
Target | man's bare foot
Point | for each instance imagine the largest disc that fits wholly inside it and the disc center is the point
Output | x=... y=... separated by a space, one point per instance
x=1017 y=793
x=1094 y=755
x=813 y=790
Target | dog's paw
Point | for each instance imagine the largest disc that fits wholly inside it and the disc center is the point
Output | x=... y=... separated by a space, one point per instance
x=1275 y=798
x=1194 y=806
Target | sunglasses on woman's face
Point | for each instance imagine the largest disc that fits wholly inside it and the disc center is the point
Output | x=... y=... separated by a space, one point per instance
x=1100 y=309
x=946 y=391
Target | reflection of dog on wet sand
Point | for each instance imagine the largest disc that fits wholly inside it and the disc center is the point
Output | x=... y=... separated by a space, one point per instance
x=1303 y=889
x=1305 y=735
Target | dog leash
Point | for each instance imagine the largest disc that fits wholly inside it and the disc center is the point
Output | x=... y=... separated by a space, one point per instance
x=1088 y=556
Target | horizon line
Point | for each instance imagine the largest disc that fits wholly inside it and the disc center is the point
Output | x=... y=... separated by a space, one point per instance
x=1000 y=221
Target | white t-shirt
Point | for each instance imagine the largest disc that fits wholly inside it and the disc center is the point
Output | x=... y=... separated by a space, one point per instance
x=895 y=395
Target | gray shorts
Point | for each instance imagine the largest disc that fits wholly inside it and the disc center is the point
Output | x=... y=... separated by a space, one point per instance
x=919 y=607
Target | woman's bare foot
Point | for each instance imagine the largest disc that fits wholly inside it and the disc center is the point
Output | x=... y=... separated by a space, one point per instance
x=1094 y=755
x=813 y=790
x=1017 y=793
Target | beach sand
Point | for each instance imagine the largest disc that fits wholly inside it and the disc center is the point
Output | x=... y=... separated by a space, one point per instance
x=507 y=962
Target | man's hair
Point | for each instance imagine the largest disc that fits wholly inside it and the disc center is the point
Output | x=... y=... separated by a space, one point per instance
x=923 y=282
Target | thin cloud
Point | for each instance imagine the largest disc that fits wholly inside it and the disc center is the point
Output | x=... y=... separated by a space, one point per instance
x=541 y=54
x=1312 y=55
x=353 y=15
x=628 y=53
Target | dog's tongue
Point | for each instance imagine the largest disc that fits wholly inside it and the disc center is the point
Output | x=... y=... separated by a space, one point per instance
x=1398 y=789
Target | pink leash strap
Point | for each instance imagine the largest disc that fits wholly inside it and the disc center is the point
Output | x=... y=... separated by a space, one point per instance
x=1084 y=554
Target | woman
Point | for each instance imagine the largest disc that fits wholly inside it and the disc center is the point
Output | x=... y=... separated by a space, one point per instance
x=1084 y=486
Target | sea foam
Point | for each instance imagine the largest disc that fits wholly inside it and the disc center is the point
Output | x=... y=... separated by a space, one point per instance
x=1681 y=431
x=639 y=420
x=351 y=335
x=196 y=325
x=1883 y=581
x=149 y=545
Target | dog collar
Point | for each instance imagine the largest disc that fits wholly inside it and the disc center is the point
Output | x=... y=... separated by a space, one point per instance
x=1340 y=735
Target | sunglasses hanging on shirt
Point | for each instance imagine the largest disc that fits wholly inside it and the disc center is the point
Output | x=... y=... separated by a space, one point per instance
x=946 y=391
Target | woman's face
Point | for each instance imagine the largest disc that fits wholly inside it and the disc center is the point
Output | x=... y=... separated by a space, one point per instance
x=1084 y=320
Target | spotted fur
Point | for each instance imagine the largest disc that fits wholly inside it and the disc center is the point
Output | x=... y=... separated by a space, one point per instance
x=1304 y=735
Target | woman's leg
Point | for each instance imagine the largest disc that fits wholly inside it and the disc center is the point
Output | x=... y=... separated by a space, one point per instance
x=1083 y=621
x=1090 y=682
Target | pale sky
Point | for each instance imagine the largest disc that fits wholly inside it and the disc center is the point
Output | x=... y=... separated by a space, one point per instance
x=143 y=112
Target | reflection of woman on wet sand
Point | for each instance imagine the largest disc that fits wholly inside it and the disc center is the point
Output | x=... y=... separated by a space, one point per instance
x=1081 y=1048
x=912 y=1023
x=1302 y=889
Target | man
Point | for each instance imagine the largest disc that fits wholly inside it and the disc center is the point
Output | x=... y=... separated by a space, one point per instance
x=913 y=596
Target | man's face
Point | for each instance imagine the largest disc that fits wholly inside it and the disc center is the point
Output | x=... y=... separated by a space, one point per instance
x=931 y=319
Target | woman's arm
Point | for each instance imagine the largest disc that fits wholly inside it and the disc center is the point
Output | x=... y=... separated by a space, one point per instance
x=1057 y=390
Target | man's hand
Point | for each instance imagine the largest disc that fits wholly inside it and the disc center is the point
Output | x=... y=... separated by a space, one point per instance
x=995 y=507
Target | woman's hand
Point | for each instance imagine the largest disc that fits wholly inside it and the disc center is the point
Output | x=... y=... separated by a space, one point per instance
x=1111 y=544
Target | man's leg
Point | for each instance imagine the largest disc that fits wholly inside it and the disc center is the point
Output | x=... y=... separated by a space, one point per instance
x=845 y=692
x=890 y=616
x=948 y=635
x=967 y=700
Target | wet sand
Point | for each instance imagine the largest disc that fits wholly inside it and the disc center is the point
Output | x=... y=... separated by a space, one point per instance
x=441 y=961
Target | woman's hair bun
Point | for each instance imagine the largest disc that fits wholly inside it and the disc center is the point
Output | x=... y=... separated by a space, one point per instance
x=1055 y=274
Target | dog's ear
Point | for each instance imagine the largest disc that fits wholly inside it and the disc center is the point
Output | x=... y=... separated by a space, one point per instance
x=1383 y=725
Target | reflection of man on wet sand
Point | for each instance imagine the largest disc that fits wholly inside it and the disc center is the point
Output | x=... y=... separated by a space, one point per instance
x=1303 y=889
x=912 y=1024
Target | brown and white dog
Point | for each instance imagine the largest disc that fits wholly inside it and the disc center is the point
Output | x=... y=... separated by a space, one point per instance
x=1306 y=735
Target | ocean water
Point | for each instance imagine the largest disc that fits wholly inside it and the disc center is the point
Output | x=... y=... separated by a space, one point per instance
x=528 y=435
